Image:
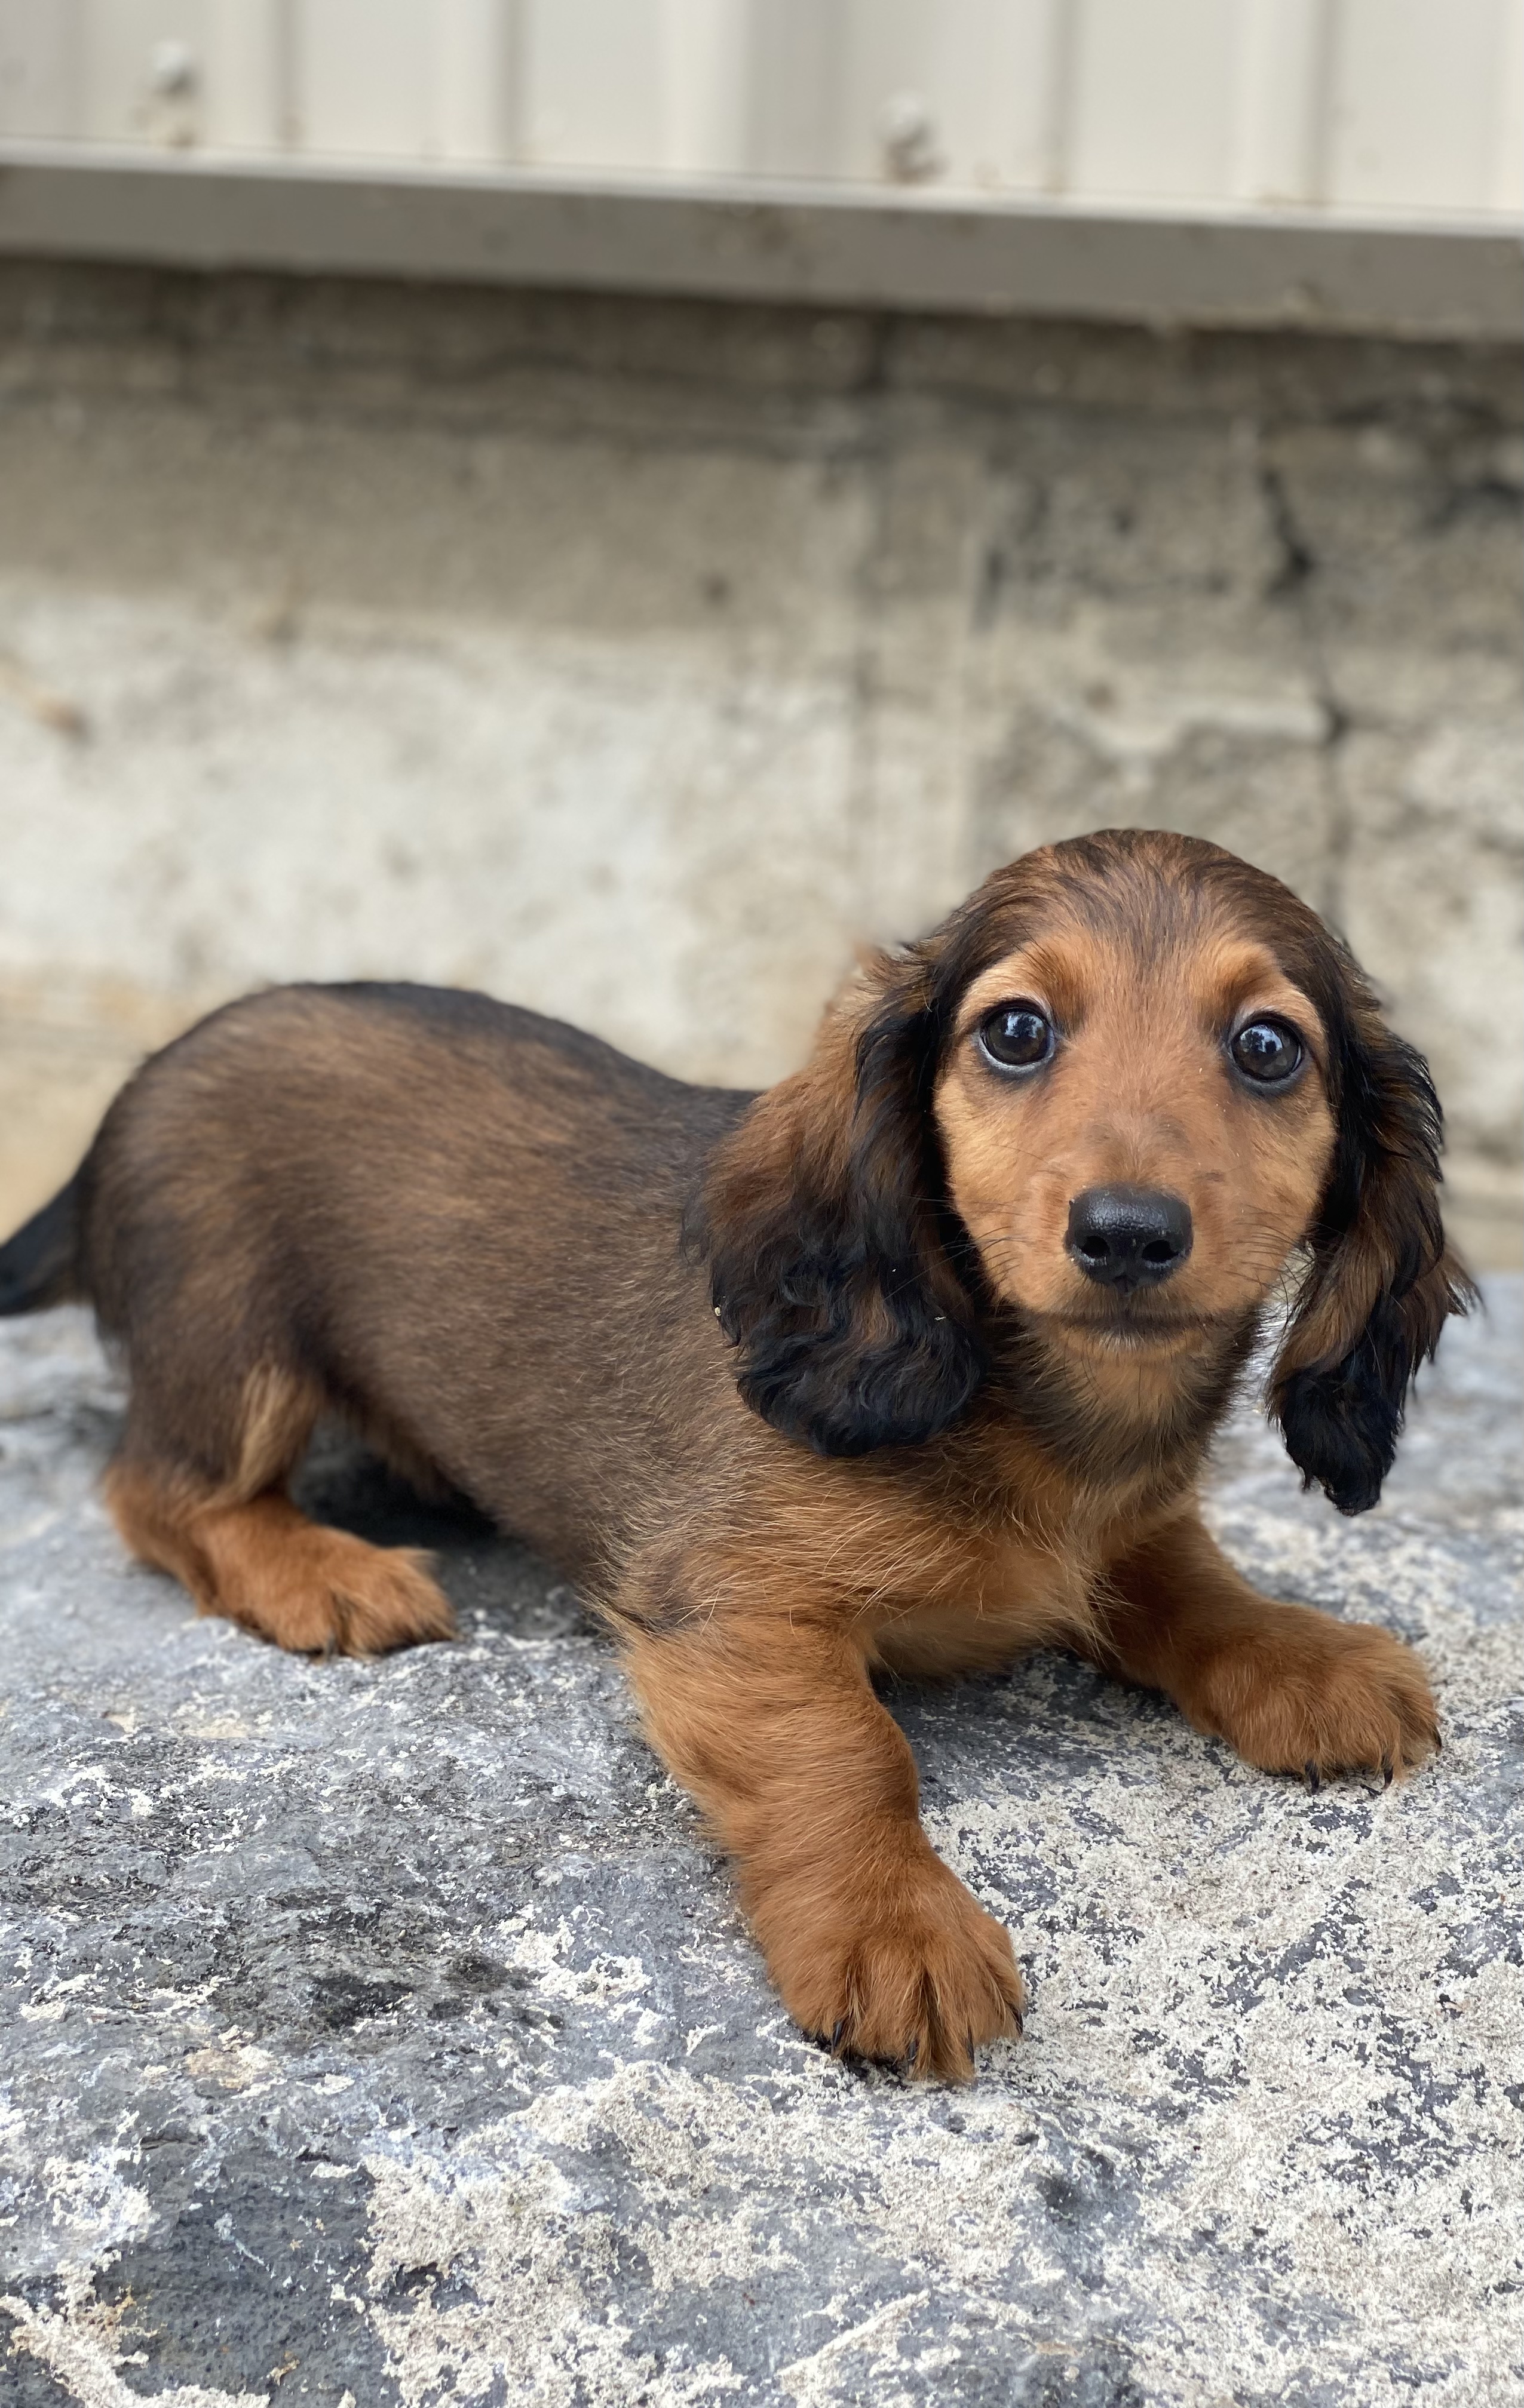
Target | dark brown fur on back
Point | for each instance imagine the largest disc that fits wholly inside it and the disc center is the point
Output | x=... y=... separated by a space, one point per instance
x=807 y=1386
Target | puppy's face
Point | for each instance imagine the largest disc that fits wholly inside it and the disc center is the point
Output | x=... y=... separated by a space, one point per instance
x=1136 y=1127
x=1135 y=1073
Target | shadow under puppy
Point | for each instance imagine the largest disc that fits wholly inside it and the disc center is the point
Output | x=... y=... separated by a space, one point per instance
x=910 y=1363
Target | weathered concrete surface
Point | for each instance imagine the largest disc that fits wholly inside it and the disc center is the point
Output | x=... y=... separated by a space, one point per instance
x=636 y=660
x=385 y=2033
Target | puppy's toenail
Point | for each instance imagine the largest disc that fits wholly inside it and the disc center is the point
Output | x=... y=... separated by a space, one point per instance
x=1388 y=1770
x=911 y=2055
x=837 y=2029
x=1314 y=1782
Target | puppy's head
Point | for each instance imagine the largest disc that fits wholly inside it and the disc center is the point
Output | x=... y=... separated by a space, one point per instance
x=1109 y=1100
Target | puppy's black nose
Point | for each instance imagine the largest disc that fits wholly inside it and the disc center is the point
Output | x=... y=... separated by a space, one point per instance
x=1129 y=1236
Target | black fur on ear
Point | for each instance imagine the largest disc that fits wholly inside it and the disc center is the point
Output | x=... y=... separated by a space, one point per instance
x=1380 y=1282
x=829 y=1241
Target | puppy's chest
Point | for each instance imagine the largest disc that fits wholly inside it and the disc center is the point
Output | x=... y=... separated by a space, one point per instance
x=987 y=1595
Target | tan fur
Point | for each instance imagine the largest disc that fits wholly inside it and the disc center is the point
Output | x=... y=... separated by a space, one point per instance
x=276 y=1419
x=1291 y=1690
x=265 y=1566
x=875 y=1946
x=459 y=1228
x=1142 y=1101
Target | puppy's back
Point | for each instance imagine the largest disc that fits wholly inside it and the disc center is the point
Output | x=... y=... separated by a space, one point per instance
x=457 y=1220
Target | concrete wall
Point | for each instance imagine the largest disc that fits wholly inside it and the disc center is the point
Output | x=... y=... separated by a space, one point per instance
x=638 y=660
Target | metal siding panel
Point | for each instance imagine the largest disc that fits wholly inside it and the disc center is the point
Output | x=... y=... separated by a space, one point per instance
x=39 y=69
x=246 y=72
x=596 y=93
x=124 y=45
x=992 y=77
x=956 y=92
x=1153 y=97
x=796 y=88
x=1355 y=103
x=705 y=48
x=1507 y=184
x=364 y=77
x=472 y=102
x=1414 y=102
x=1281 y=82
x=1030 y=71
x=888 y=67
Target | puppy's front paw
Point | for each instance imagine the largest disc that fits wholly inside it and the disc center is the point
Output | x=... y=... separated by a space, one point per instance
x=912 y=1973
x=1304 y=1694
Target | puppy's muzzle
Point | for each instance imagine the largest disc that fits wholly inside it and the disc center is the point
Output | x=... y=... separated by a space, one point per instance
x=1129 y=1238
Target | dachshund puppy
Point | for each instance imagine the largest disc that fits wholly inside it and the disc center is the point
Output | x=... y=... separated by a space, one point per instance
x=907 y=1365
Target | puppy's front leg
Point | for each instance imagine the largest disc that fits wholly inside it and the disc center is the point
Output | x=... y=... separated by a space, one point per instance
x=874 y=1944
x=1291 y=1690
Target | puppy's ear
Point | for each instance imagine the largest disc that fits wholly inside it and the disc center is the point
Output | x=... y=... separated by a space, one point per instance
x=824 y=1227
x=1380 y=1282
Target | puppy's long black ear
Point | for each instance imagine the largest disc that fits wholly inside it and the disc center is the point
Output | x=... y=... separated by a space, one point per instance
x=826 y=1230
x=1380 y=1282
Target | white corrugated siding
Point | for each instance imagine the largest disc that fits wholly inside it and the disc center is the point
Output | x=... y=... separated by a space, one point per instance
x=1362 y=105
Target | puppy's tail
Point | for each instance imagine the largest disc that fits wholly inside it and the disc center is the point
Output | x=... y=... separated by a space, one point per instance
x=40 y=1265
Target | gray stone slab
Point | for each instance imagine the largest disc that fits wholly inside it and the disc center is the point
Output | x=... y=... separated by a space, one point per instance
x=386 y=2033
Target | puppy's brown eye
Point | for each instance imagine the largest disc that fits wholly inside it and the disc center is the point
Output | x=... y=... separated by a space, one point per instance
x=1015 y=1036
x=1267 y=1051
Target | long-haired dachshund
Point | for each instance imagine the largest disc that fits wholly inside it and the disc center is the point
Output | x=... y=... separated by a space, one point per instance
x=909 y=1364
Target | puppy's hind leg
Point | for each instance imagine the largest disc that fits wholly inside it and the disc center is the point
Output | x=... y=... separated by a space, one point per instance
x=244 y=1550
